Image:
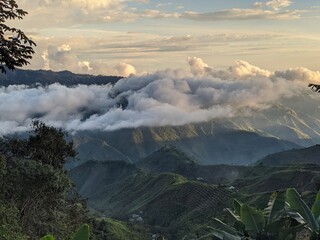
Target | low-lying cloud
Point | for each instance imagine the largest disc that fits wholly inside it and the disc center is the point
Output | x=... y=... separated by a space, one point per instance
x=168 y=97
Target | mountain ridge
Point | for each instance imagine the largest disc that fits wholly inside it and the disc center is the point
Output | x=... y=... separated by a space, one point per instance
x=217 y=146
x=308 y=155
x=47 y=77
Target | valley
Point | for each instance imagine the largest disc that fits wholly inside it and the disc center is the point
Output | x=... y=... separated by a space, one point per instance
x=175 y=196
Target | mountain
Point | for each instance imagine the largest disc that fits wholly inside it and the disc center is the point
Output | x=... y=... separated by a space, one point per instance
x=309 y=155
x=93 y=179
x=170 y=159
x=47 y=77
x=166 y=159
x=292 y=123
x=153 y=195
x=170 y=201
x=207 y=142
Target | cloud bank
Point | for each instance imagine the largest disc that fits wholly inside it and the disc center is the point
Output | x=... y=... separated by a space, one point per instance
x=168 y=97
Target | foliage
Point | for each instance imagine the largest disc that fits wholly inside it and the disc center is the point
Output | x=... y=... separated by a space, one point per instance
x=16 y=48
x=279 y=220
x=9 y=223
x=45 y=144
x=83 y=233
x=37 y=187
x=110 y=229
x=48 y=145
x=309 y=216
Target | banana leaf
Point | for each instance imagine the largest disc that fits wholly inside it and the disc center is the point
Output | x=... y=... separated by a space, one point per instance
x=297 y=204
x=253 y=220
x=275 y=207
x=316 y=207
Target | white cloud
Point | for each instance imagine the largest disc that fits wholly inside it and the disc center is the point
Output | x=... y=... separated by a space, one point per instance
x=62 y=57
x=244 y=69
x=241 y=70
x=169 y=97
x=300 y=74
x=197 y=65
x=68 y=13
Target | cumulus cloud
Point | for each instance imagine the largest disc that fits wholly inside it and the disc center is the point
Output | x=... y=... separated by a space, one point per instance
x=168 y=97
x=299 y=74
x=197 y=66
x=241 y=70
x=62 y=57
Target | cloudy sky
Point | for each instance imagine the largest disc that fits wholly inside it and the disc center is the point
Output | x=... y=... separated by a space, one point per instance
x=187 y=61
x=120 y=37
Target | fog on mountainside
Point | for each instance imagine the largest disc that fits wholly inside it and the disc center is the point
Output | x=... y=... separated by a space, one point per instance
x=170 y=98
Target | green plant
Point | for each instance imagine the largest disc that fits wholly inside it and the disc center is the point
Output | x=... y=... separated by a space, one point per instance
x=83 y=233
x=36 y=188
x=311 y=217
x=279 y=220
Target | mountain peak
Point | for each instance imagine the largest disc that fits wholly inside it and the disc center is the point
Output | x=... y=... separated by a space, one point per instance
x=167 y=159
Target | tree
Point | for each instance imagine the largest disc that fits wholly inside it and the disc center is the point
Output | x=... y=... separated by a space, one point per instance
x=48 y=145
x=16 y=48
x=45 y=144
x=36 y=192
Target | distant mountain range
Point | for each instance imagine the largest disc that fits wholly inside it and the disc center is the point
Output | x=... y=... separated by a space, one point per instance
x=47 y=77
x=207 y=144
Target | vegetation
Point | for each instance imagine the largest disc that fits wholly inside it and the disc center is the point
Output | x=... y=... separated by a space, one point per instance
x=286 y=216
x=110 y=229
x=16 y=48
x=82 y=234
x=36 y=195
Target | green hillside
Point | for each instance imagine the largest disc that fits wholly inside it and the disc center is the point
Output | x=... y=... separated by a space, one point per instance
x=111 y=229
x=169 y=193
x=172 y=159
x=309 y=155
x=166 y=159
x=95 y=178
x=167 y=202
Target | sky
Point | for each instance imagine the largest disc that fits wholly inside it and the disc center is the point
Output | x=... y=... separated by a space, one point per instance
x=185 y=61
x=123 y=37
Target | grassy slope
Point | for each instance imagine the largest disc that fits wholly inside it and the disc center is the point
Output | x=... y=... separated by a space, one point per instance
x=111 y=229
x=172 y=159
x=167 y=202
x=175 y=205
